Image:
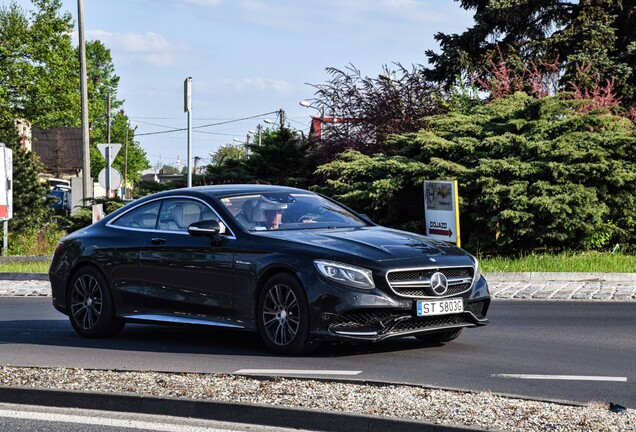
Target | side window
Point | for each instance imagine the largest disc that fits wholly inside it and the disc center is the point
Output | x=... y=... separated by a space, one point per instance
x=177 y=214
x=143 y=217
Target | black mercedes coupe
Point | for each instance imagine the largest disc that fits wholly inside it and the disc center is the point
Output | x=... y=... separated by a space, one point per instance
x=297 y=267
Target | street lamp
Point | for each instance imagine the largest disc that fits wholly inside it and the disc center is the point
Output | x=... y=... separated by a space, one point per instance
x=306 y=104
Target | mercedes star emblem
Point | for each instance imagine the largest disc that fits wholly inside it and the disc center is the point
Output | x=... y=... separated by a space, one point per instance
x=439 y=283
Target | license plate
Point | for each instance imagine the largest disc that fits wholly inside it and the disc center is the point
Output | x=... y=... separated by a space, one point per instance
x=440 y=307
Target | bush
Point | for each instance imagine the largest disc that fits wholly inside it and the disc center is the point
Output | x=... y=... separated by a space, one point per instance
x=35 y=242
x=533 y=174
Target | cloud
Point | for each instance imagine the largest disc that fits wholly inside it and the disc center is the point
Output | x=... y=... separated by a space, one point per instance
x=204 y=3
x=258 y=84
x=151 y=48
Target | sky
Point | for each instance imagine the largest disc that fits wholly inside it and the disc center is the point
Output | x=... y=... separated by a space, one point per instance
x=247 y=58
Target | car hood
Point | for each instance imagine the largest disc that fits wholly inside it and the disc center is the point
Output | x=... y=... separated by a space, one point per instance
x=374 y=243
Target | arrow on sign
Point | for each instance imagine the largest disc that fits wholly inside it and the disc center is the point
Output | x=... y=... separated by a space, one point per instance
x=441 y=232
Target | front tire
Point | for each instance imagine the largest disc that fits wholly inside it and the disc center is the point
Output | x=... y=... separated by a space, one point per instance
x=90 y=305
x=283 y=316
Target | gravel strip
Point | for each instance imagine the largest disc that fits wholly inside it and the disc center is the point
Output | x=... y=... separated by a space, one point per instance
x=481 y=410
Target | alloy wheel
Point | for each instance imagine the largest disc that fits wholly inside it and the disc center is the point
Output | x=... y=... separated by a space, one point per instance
x=281 y=314
x=86 y=301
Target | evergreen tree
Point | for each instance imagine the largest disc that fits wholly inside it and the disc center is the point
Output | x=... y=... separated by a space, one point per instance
x=30 y=209
x=533 y=173
x=281 y=158
x=529 y=32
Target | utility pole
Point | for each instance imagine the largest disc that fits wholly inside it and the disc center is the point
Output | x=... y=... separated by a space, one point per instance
x=259 y=128
x=87 y=181
x=187 y=107
x=281 y=115
x=108 y=125
x=126 y=166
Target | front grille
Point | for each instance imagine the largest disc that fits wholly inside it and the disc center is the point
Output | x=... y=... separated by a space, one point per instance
x=415 y=283
x=363 y=318
x=385 y=322
x=414 y=324
x=422 y=292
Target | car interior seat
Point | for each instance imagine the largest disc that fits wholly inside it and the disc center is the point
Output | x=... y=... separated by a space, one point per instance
x=185 y=214
x=251 y=213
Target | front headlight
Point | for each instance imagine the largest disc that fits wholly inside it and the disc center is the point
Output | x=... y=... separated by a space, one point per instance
x=357 y=277
x=477 y=269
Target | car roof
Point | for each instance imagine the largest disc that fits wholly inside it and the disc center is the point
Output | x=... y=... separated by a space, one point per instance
x=215 y=191
x=220 y=191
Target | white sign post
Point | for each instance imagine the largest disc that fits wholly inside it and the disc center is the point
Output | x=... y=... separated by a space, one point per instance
x=441 y=210
x=6 y=193
x=109 y=151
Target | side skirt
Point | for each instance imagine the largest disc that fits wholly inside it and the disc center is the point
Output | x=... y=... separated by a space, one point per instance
x=189 y=320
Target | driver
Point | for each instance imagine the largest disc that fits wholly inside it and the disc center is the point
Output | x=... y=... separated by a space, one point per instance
x=273 y=218
x=265 y=213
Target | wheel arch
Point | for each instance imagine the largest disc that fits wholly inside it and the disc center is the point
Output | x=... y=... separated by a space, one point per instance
x=76 y=268
x=267 y=275
x=79 y=265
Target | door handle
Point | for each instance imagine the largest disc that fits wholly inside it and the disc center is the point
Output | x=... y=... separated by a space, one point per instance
x=158 y=240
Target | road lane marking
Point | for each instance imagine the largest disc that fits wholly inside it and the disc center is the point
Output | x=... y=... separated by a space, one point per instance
x=295 y=372
x=562 y=377
x=102 y=421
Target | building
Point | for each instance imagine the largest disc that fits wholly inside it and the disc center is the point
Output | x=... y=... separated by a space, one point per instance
x=59 y=150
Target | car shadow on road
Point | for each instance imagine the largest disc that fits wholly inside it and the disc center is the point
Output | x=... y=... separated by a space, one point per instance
x=181 y=340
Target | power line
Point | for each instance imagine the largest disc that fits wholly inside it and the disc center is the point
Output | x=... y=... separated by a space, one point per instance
x=206 y=125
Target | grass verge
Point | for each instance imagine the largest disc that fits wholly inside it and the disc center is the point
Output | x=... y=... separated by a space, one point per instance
x=583 y=262
x=586 y=262
x=24 y=267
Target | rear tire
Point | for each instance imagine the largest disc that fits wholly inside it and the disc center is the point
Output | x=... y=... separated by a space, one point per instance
x=283 y=316
x=446 y=336
x=90 y=305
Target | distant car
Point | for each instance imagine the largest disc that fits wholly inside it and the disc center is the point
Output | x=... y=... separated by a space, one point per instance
x=295 y=266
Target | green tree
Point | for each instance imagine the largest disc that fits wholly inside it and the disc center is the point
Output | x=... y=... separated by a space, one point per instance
x=30 y=210
x=383 y=187
x=281 y=158
x=528 y=33
x=227 y=152
x=102 y=82
x=39 y=71
x=360 y=112
x=121 y=132
x=36 y=84
x=533 y=173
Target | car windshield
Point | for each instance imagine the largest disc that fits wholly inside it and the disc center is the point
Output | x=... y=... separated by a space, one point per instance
x=285 y=211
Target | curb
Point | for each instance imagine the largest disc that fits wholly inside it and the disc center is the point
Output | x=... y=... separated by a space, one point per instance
x=529 y=277
x=25 y=259
x=221 y=411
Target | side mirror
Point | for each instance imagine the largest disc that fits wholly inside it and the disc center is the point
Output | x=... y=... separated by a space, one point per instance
x=204 y=228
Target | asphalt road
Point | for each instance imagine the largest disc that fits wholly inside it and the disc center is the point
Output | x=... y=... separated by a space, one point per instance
x=578 y=351
x=26 y=418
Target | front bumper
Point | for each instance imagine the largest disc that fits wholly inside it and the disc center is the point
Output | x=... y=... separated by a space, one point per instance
x=375 y=316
